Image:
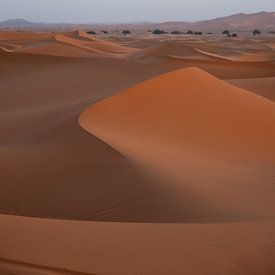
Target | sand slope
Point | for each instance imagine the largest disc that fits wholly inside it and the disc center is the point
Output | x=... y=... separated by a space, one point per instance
x=125 y=248
x=41 y=99
x=261 y=86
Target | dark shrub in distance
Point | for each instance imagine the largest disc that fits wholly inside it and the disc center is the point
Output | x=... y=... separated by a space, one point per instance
x=158 y=31
x=234 y=35
x=190 y=32
x=91 y=32
x=198 y=33
x=126 y=32
x=256 y=32
x=226 y=32
x=175 y=32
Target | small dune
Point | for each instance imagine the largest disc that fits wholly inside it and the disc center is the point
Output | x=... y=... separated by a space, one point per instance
x=97 y=47
x=242 y=56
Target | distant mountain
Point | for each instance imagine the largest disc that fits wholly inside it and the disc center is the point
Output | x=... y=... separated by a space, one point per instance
x=241 y=21
x=263 y=20
x=19 y=23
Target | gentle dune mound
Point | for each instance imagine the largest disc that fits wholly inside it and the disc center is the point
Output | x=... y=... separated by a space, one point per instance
x=97 y=47
x=242 y=56
x=192 y=128
x=171 y=48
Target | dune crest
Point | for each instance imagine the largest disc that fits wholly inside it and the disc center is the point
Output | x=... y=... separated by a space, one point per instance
x=194 y=128
x=98 y=47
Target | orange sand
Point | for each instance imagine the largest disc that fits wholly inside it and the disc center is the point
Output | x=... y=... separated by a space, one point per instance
x=175 y=174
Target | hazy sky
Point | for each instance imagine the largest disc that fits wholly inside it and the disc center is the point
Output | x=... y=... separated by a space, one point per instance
x=115 y=11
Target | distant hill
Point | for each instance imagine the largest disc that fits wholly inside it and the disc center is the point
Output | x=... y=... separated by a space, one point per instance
x=241 y=21
x=19 y=23
x=264 y=20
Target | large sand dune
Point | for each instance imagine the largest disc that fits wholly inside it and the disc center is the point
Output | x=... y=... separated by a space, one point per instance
x=192 y=126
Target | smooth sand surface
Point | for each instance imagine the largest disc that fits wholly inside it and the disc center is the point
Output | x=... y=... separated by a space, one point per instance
x=137 y=248
x=175 y=174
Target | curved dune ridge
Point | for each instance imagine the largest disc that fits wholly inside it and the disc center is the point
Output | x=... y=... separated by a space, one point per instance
x=171 y=55
x=70 y=44
x=242 y=56
x=197 y=130
x=96 y=46
x=171 y=48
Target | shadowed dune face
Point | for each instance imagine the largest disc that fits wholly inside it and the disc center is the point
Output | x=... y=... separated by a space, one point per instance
x=41 y=99
x=197 y=129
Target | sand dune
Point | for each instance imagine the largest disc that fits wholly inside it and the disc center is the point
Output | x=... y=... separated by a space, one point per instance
x=171 y=49
x=171 y=55
x=243 y=57
x=98 y=47
x=182 y=124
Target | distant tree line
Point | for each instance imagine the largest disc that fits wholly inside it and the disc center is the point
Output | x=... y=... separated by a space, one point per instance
x=227 y=32
x=176 y=32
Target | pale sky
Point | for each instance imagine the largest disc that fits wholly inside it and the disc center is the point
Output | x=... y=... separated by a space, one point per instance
x=118 y=11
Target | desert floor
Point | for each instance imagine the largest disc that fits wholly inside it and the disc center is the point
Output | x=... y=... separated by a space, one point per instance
x=137 y=155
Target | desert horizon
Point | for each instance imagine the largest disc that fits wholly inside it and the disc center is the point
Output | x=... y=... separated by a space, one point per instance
x=234 y=21
x=137 y=148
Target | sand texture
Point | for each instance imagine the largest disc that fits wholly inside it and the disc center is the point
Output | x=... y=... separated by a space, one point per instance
x=136 y=154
